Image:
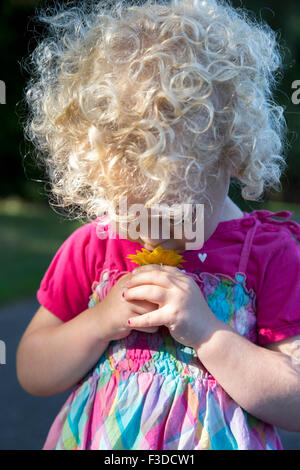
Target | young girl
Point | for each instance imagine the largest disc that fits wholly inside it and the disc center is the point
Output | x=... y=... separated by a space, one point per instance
x=164 y=102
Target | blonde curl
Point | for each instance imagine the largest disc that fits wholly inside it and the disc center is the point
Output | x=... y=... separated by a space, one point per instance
x=148 y=100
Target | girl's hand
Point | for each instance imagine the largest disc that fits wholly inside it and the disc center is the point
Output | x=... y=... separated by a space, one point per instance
x=182 y=306
x=115 y=311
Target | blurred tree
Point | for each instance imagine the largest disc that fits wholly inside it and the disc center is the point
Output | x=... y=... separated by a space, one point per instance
x=15 y=42
x=284 y=18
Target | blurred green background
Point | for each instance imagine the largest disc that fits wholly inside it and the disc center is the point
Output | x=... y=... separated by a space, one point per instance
x=30 y=231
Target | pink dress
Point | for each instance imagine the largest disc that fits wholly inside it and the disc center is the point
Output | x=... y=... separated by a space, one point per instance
x=148 y=391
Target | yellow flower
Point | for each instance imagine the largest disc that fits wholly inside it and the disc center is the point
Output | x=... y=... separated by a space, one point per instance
x=158 y=256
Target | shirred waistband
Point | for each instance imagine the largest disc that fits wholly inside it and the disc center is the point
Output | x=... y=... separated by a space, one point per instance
x=182 y=363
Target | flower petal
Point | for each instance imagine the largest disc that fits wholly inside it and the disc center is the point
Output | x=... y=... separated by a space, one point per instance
x=157 y=256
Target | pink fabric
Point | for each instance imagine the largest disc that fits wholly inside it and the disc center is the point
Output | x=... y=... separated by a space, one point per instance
x=258 y=245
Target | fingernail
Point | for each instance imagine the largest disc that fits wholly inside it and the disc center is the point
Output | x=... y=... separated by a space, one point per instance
x=123 y=294
x=128 y=322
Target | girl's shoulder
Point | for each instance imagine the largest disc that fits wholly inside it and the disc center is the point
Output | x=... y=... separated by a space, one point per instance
x=276 y=264
x=261 y=228
x=261 y=239
x=66 y=284
x=262 y=221
x=92 y=234
x=277 y=227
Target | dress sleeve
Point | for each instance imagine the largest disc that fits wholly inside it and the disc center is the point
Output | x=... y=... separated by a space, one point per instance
x=66 y=285
x=278 y=304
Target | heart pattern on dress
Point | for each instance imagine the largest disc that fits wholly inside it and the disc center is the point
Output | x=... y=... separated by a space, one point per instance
x=202 y=257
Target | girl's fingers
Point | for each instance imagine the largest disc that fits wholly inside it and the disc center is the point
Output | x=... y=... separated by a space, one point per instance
x=152 y=329
x=156 y=277
x=151 y=293
x=142 y=306
x=156 y=318
x=157 y=267
x=153 y=274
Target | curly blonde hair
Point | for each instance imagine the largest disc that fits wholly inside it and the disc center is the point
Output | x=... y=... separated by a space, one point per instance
x=149 y=100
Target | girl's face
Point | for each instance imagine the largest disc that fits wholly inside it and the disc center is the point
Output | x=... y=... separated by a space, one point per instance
x=217 y=194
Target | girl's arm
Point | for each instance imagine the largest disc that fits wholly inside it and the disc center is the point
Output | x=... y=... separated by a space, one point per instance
x=53 y=356
x=265 y=383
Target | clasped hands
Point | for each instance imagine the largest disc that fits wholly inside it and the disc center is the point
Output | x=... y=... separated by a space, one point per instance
x=182 y=307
